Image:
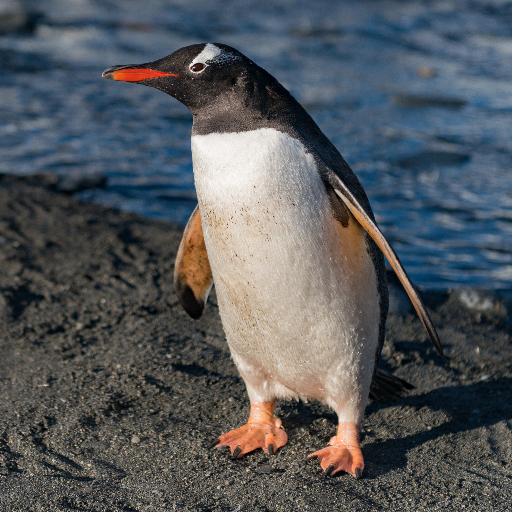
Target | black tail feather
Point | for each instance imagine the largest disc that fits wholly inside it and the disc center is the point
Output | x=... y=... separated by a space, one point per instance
x=386 y=387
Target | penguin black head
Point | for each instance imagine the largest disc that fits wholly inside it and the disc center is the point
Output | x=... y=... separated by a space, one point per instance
x=198 y=76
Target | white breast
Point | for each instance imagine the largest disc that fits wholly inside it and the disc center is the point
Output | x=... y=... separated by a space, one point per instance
x=297 y=292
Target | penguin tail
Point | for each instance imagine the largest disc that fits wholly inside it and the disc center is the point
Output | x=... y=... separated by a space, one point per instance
x=386 y=387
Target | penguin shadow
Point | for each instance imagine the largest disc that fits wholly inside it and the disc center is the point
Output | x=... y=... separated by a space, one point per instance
x=307 y=422
x=468 y=408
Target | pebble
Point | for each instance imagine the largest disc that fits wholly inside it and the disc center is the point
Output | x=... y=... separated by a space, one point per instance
x=135 y=439
x=265 y=469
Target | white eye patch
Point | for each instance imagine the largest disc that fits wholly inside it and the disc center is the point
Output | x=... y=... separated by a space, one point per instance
x=212 y=53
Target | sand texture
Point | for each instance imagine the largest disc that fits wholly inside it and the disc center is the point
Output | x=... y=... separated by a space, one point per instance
x=110 y=393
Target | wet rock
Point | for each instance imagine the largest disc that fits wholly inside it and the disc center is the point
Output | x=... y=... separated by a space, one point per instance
x=15 y=18
x=77 y=182
x=198 y=336
x=427 y=159
x=406 y=100
x=178 y=195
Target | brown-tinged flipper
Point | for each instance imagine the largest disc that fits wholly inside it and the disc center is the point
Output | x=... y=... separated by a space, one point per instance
x=192 y=273
x=360 y=214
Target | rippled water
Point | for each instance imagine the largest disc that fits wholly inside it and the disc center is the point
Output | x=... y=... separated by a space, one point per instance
x=417 y=96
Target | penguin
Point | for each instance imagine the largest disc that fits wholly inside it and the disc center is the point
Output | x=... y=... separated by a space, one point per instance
x=285 y=230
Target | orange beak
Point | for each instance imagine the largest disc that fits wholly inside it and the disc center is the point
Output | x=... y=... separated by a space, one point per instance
x=133 y=74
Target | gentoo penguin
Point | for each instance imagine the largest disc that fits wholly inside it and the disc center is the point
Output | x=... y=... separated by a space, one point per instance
x=285 y=230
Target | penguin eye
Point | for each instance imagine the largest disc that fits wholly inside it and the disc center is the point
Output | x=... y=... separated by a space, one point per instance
x=198 y=66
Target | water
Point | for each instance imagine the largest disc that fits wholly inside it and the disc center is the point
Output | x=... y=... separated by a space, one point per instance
x=417 y=96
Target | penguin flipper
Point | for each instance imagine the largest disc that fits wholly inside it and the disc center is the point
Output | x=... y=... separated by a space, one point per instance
x=360 y=214
x=193 y=278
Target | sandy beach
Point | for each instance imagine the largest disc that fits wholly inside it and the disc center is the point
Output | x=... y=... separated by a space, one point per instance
x=110 y=394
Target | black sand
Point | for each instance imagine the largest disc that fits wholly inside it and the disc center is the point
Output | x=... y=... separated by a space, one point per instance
x=109 y=393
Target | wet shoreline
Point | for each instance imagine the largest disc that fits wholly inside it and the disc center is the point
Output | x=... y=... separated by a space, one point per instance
x=416 y=96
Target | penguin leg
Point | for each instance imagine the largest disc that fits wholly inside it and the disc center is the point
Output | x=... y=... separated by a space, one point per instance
x=262 y=430
x=344 y=452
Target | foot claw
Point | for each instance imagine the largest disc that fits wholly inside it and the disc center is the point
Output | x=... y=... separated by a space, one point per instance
x=343 y=454
x=328 y=471
x=236 y=452
x=263 y=430
x=214 y=443
x=251 y=437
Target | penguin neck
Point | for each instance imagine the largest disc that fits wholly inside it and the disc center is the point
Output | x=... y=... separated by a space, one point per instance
x=227 y=117
x=248 y=106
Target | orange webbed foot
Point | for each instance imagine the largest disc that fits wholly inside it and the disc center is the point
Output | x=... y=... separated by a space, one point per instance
x=262 y=430
x=344 y=452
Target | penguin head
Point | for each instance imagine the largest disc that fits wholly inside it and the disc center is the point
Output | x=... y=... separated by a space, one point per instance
x=198 y=76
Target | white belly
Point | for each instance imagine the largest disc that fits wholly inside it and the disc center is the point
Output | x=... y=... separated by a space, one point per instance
x=297 y=292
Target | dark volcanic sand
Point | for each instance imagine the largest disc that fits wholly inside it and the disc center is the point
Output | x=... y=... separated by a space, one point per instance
x=109 y=393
